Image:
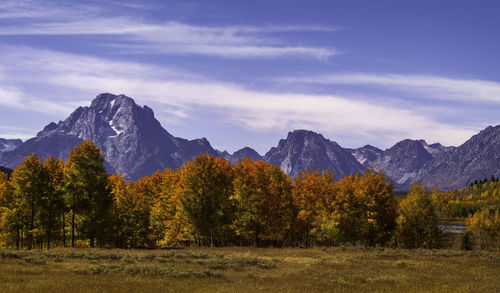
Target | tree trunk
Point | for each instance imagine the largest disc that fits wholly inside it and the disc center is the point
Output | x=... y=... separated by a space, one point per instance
x=64 y=229
x=18 y=239
x=31 y=239
x=73 y=229
x=49 y=229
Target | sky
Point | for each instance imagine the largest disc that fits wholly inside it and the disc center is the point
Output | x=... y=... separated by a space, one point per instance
x=245 y=73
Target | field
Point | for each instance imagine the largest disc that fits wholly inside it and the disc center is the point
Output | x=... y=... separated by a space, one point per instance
x=339 y=269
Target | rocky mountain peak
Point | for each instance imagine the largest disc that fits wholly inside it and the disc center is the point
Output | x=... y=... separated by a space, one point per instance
x=243 y=153
x=478 y=157
x=132 y=140
x=366 y=155
x=304 y=149
x=134 y=143
x=402 y=161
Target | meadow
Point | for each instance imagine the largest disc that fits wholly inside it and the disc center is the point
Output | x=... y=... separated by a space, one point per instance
x=249 y=269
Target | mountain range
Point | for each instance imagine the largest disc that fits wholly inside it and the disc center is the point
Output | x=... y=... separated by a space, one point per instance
x=135 y=144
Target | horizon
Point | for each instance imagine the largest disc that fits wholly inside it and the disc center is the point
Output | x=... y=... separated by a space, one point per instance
x=245 y=74
x=276 y=143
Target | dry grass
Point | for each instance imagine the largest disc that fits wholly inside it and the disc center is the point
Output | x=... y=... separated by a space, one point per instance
x=248 y=270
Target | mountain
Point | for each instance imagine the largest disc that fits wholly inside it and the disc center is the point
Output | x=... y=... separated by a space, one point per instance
x=366 y=155
x=135 y=144
x=243 y=153
x=132 y=140
x=477 y=158
x=7 y=145
x=403 y=161
x=435 y=149
x=304 y=149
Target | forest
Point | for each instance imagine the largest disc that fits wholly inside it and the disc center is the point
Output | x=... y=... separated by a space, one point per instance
x=211 y=202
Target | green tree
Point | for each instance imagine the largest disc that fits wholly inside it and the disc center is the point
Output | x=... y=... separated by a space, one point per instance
x=485 y=228
x=28 y=181
x=52 y=201
x=208 y=186
x=264 y=203
x=418 y=220
x=345 y=219
x=88 y=191
x=132 y=210
x=9 y=214
x=379 y=207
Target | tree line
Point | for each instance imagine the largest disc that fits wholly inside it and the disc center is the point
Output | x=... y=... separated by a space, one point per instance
x=207 y=202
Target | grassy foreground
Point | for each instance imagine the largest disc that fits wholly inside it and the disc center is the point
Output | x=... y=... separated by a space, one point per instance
x=249 y=269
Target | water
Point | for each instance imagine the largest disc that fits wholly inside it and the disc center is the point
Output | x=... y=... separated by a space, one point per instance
x=459 y=229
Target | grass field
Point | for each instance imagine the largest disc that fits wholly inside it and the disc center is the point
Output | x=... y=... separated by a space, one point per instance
x=248 y=270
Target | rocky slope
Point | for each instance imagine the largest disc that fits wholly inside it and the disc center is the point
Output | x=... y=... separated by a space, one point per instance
x=304 y=149
x=134 y=143
x=243 y=153
x=132 y=140
x=403 y=161
x=366 y=155
x=477 y=158
x=7 y=145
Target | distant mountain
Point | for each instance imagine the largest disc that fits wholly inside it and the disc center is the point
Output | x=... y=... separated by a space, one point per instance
x=366 y=155
x=7 y=145
x=403 y=161
x=435 y=149
x=243 y=153
x=304 y=149
x=134 y=143
x=457 y=167
x=132 y=140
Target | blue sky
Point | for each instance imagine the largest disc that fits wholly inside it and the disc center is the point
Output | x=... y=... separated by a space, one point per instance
x=244 y=73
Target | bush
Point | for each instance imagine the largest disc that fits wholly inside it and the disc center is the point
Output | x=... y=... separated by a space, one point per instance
x=467 y=241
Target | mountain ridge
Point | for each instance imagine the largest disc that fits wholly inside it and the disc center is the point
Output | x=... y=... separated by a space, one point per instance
x=135 y=144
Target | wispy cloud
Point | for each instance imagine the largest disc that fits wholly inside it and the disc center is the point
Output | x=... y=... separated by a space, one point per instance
x=12 y=132
x=435 y=87
x=182 y=94
x=138 y=36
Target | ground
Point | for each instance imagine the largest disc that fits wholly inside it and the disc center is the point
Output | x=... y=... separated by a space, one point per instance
x=338 y=269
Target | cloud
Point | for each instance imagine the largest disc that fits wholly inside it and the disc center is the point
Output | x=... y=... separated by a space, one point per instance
x=435 y=87
x=12 y=132
x=12 y=95
x=356 y=120
x=132 y=34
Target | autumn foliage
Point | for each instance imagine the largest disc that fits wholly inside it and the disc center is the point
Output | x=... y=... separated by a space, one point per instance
x=208 y=202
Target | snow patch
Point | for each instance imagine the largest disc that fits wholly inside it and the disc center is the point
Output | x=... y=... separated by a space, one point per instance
x=406 y=177
x=360 y=158
x=115 y=129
